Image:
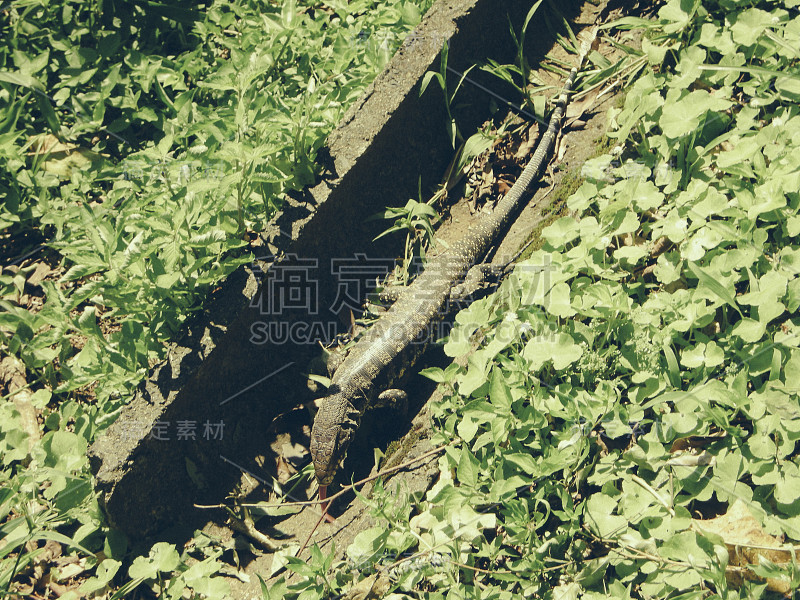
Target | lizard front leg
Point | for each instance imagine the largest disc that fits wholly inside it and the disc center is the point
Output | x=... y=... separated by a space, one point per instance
x=393 y=398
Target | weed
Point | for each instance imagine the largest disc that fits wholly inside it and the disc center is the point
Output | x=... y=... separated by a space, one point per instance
x=141 y=147
x=638 y=371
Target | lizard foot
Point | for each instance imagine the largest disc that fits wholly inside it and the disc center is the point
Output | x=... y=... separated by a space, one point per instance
x=393 y=398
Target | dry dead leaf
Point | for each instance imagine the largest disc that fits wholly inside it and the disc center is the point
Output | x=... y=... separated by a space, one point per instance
x=526 y=147
x=576 y=110
x=69 y=571
x=41 y=271
x=747 y=542
x=372 y=588
x=284 y=469
x=694 y=442
x=503 y=186
x=692 y=460
x=561 y=149
x=12 y=375
x=61 y=157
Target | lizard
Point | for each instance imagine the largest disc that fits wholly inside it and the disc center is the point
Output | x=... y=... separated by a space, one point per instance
x=390 y=346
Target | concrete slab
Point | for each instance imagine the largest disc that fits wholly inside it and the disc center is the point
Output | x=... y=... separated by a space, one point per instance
x=197 y=422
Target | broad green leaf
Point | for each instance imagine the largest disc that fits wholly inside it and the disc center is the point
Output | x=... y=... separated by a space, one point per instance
x=683 y=111
x=748 y=25
x=749 y=330
x=367 y=545
x=600 y=518
x=468 y=468
x=162 y=558
x=630 y=254
x=467 y=427
x=212 y=587
x=558 y=301
x=708 y=281
x=499 y=394
x=562 y=232
x=559 y=348
x=64 y=451
x=103 y=575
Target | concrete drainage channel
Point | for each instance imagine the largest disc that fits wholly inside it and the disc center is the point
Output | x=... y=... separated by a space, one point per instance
x=198 y=421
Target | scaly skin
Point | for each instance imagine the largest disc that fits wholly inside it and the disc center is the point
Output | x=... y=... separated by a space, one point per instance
x=384 y=352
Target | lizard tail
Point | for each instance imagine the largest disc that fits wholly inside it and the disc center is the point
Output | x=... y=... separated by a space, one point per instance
x=323 y=495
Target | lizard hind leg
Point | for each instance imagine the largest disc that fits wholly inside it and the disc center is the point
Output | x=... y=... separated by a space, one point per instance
x=483 y=275
x=476 y=278
x=334 y=358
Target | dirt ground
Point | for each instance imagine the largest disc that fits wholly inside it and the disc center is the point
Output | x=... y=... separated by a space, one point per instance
x=582 y=133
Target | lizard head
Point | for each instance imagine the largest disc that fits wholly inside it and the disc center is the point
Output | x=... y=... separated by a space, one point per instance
x=334 y=427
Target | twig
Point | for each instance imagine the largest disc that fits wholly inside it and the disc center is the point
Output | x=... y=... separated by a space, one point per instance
x=363 y=482
x=248 y=528
x=510 y=572
x=338 y=494
x=310 y=533
x=653 y=493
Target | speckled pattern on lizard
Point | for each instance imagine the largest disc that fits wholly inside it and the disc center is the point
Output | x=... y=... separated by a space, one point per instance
x=393 y=344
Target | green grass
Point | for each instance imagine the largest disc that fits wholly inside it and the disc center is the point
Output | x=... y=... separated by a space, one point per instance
x=142 y=146
x=637 y=376
x=642 y=383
